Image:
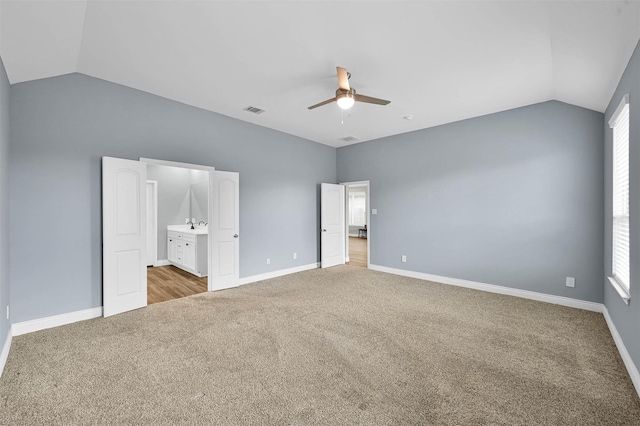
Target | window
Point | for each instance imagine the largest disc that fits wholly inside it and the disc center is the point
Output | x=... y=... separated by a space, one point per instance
x=357 y=209
x=620 y=231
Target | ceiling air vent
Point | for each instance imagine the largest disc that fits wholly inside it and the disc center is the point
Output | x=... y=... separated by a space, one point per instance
x=349 y=139
x=254 y=109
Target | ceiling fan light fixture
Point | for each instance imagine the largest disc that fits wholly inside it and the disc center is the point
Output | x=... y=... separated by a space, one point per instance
x=345 y=100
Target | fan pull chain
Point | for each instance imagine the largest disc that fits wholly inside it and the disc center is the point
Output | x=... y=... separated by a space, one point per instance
x=342 y=113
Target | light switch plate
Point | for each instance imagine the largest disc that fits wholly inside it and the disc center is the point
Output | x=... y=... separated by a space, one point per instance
x=571 y=282
x=374 y=211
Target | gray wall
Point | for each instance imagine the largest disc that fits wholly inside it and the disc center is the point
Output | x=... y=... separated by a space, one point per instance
x=174 y=188
x=4 y=203
x=626 y=318
x=60 y=129
x=513 y=199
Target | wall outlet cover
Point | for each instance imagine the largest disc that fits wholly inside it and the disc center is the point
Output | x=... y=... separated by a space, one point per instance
x=268 y=261
x=404 y=259
x=571 y=282
x=374 y=211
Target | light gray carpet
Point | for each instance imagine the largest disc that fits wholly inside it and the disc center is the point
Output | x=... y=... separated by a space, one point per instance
x=338 y=346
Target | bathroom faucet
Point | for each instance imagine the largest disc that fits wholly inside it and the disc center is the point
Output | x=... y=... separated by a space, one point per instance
x=191 y=223
x=202 y=222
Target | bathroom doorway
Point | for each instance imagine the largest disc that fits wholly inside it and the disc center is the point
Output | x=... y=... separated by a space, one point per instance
x=177 y=232
x=357 y=244
x=124 y=233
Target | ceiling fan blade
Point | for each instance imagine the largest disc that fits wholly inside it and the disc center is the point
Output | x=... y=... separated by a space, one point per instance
x=343 y=79
x=370 y=100
x=328 y=101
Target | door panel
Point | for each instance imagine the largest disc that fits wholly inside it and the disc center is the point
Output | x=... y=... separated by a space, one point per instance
x=225 y=231
x=127 y=263
x=332 y=232
x=124 y=217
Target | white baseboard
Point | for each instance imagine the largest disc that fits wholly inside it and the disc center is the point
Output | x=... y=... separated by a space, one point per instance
x=5 y=351
x=279 y=273
x=162 y=263
x=492 y=288
x=626 y=358
x=25 y=327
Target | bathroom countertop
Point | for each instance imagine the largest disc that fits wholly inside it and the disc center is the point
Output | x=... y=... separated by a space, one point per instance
x=186 y=229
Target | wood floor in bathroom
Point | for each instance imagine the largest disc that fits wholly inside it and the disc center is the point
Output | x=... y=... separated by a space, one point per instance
x=168 y=283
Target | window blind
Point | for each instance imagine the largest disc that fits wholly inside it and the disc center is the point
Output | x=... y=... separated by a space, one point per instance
x=620 y=243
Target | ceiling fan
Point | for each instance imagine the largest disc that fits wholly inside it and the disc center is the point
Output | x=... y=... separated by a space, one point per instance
x=346 y=96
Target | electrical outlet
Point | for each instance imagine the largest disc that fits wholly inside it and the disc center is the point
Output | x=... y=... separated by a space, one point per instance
x=374 y=211
x=295 y=256
x=268 y=261
x=571 y=282
x=404 y=258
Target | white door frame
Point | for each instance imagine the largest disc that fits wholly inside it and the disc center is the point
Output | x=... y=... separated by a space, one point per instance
x=209 y=169
x=367 y=204
x=152 y=217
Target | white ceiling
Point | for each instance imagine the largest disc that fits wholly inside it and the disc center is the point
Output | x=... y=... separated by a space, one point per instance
x=439 y=61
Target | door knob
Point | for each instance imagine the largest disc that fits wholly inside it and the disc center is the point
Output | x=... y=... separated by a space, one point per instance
x=235 y=235
x=324 y=230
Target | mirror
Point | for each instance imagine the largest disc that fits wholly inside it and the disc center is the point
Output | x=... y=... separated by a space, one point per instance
x=199 y=201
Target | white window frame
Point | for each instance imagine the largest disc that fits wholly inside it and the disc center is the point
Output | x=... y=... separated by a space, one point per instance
x=618 y=280
x=352 y=195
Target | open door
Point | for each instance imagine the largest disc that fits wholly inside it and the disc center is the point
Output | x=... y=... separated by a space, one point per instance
x=224 y=231
x=124 y=235
x=332 y=235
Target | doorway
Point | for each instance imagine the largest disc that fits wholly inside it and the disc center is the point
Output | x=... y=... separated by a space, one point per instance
x=177 y=223
x=358 y=229
x=124 y=233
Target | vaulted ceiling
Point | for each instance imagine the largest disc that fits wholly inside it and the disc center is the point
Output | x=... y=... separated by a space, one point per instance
x=437 y=61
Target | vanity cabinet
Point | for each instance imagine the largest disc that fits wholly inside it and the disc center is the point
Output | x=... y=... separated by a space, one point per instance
x=188 y=252
x=172 y=249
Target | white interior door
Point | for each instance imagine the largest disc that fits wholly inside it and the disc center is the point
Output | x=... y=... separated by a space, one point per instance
x=332 y=232
x=124 y=235
x=224 y=231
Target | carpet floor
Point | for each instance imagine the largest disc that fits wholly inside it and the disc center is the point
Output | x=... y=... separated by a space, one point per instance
x=339 y=346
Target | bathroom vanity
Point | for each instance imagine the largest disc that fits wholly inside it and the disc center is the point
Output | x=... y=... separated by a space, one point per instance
x=187 y=248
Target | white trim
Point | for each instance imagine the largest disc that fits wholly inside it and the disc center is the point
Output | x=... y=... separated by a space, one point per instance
x=492 y=288
x=153 y=215
x=177 y=164
x=618 y=111
x=164 y=262
x=276 y=274
x=25 y=327
x=626 y=358
x=5 y=351
x=620 y=289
